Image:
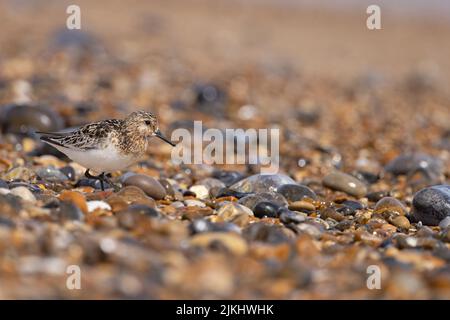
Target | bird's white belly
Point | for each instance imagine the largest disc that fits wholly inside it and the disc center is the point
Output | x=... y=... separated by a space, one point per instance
x=104 y=160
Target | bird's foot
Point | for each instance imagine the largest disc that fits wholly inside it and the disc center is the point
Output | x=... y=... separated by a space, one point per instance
x=101 y=177
x=107 y=179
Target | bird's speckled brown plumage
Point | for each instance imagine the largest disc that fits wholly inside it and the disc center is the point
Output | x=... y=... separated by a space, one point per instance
x=129 y=135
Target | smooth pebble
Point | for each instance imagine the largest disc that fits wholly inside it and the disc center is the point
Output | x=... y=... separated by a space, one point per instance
x=24 y=193
x=97 y=204
x=344 y=182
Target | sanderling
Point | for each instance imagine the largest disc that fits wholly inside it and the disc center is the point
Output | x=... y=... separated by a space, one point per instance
x=107 y=145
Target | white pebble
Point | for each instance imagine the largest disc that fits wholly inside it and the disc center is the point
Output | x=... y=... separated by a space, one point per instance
x=96 y=204
x=108 y=245
x=200 y=191
x=194 y=203
x=177 y=204
x=247 y=112
x=24 y=193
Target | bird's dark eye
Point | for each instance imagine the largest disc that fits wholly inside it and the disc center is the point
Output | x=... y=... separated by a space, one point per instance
x=147 y=122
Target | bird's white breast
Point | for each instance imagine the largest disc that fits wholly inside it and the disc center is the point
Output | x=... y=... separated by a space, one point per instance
x=100 y=160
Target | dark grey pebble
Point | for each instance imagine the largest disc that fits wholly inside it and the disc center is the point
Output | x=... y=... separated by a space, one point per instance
x=411 y=217
x=346 y=210
x=51 y=174
x=408 y=164
x=262 y=183
x=228 y=177
x=432 y=204
x=210 y=99
x=368 y=177
x=69 y=172
x=296 y=192
x=287 y=216
x=25 y=119
x=3 y=184
x=377 y=195
x=349 y=207
x=266 y=209
x=308 y=116
x=125 y=176
x=225 y=192
x=263 y=232
x=252 y=200
x=356 y=205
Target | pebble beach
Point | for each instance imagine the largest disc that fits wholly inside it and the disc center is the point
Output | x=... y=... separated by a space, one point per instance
x=364 y=153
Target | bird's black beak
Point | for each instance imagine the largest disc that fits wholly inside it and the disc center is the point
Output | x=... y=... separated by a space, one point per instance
x=160 y=135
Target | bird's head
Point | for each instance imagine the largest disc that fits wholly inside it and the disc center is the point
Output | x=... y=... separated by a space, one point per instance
x=146 y=124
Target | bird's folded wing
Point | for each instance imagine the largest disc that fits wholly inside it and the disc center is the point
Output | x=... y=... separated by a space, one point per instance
x=71 y=140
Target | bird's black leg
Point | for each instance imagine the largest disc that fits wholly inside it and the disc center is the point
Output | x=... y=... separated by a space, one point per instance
x=100 y=177
x=107 y=179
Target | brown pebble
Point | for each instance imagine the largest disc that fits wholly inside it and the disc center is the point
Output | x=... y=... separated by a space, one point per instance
x=76 y=198
x=117 y=203
x=368 y=238
x=149 y=185
x=401 y=222
x=331 y=213
x=229 y=198
x=389 y=228
x=167 y=186
x=98 y=195
x=301 y=205
x=390 y=204
x=135 y=195
x=235 y=213
x=233 y=242
x=192 y=213
x=279 y=252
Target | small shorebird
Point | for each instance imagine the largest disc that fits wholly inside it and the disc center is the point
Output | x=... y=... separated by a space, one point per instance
x=107 y=145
